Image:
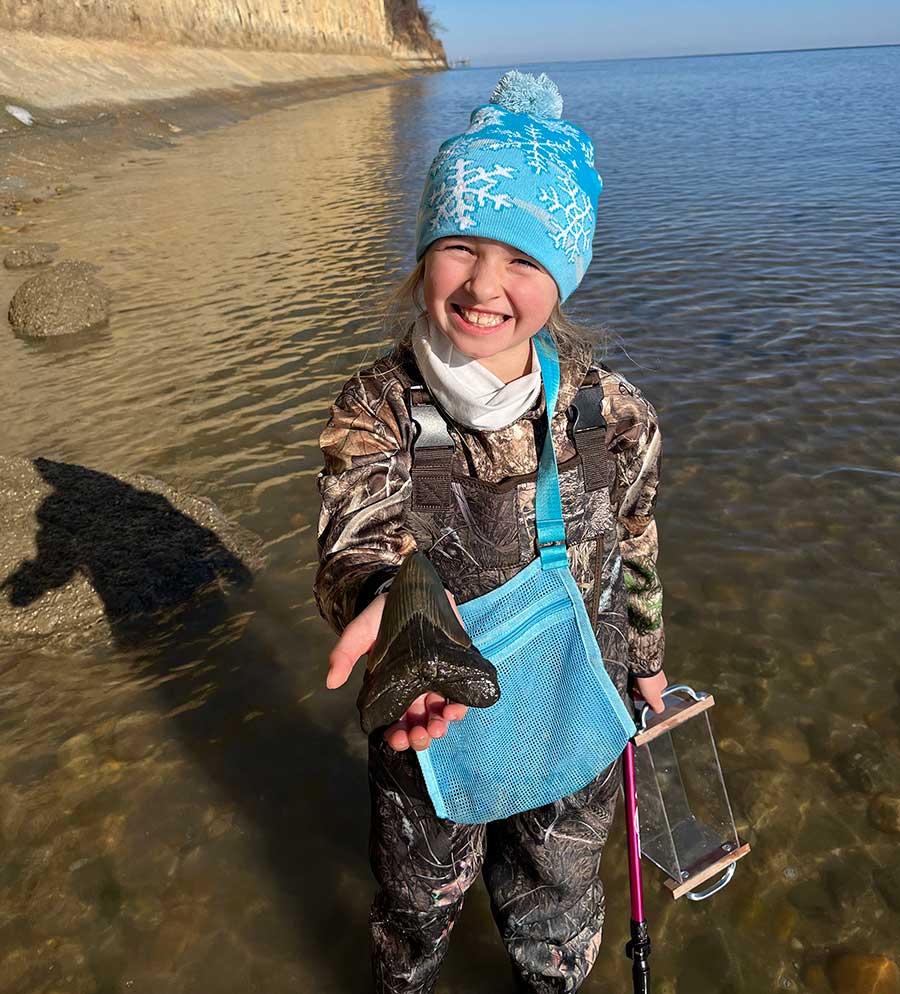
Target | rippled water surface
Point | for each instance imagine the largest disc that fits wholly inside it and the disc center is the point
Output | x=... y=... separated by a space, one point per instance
x=190 y=813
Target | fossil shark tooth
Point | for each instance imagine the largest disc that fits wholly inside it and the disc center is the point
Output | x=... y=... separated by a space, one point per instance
x=421 y=646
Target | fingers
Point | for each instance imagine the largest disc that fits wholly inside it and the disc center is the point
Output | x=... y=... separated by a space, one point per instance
x=656 y=704
x=435 y=724
x=416 y=718
x=408 y=731
x=341 y=661
x=654 y=699
x=396 y=738
x=454 y=712
x=651 y=689
x=356 y=640
x=427 y=718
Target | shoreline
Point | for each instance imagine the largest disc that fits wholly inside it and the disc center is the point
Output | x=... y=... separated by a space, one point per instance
x=105 y=98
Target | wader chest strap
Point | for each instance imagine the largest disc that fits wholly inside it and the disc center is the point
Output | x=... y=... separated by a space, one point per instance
x=432 y=454
x=588 y=428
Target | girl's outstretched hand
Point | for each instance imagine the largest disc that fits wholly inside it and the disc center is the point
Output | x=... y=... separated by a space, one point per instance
x=427 y=717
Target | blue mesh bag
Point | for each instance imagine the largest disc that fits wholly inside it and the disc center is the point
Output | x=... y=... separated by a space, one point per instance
x=560 y=720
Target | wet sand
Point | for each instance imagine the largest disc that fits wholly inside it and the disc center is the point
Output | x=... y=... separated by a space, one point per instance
x=93 y=100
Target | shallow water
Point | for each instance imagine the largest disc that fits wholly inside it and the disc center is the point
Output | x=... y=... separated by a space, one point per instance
x=192 y=812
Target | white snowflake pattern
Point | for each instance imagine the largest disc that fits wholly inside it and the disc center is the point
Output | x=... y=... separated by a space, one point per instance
x=553 y=149
x=587 y=149
x=573 y=236
x=562 y=128
x=485 y=118
x=544 y=154
x=465 y=186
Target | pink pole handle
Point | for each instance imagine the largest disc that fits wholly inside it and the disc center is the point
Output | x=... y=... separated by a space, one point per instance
x=634 y=838
x=638 y=949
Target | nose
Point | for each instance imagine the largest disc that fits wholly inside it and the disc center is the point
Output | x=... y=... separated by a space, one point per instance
x=484 y=283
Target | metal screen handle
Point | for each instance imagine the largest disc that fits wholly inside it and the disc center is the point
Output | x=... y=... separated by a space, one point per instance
x=647 y=710
x=702 y=895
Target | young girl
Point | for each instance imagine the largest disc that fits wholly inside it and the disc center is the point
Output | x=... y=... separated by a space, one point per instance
x=435 y=447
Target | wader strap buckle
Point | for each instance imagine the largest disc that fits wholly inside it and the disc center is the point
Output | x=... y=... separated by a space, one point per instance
x=588 y=428
x=432 y=452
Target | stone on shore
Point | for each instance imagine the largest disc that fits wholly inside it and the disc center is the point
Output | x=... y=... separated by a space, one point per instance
x=87 y=555
x=62 y=300
x=26 y=256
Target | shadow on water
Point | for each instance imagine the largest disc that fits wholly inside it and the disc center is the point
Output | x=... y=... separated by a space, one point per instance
x=162 y=577
x=139 y=553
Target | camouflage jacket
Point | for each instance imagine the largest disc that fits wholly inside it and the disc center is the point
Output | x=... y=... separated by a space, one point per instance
x=368 y=522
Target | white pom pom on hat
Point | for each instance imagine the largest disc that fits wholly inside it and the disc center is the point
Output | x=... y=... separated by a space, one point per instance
x=524 y=93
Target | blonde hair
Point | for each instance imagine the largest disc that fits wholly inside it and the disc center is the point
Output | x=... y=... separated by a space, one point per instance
x=402 y=309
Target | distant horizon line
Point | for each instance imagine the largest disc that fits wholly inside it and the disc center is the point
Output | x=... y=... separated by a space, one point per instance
x=691 y=55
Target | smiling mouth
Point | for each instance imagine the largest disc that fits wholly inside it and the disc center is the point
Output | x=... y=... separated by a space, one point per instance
x=480 y=319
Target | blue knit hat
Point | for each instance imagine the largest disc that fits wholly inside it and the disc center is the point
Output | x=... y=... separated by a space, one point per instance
x=518 y=174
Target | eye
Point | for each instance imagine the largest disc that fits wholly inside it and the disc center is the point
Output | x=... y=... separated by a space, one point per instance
x=525 y=262
x=458 y=245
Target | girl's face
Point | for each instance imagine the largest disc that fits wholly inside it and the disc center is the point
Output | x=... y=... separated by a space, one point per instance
x=488 y=299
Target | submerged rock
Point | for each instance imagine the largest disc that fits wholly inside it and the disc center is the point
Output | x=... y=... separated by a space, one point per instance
x=709 y=963
x=867 y=768
x=77 y=754
x=790 y=745
x=811 y=898
x=36 y=254
x=62 y=300
x=88 y=555
x=93 y=881
x=849 y=882
x=884 y=813
x=14 y=968
x=135 y=736
x=823 y=830
x=815 y=979
x=887 y=883
x=54 y=911
x=12 y=813
x=850 y=973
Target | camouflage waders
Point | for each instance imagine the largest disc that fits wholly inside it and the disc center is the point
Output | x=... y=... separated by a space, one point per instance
x=467 y=500
x=541 y=869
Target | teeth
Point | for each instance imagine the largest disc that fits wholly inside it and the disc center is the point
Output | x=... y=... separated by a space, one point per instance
x=485 y=320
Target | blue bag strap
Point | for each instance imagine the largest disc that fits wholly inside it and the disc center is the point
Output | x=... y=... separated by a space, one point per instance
x=551 y=530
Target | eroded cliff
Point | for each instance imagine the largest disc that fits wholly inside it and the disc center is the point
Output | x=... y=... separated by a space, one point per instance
x=397 y=28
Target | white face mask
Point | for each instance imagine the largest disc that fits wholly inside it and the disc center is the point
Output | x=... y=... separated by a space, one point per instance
x=469 y=392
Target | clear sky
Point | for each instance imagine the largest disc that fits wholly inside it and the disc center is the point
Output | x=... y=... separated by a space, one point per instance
x=501 y=32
